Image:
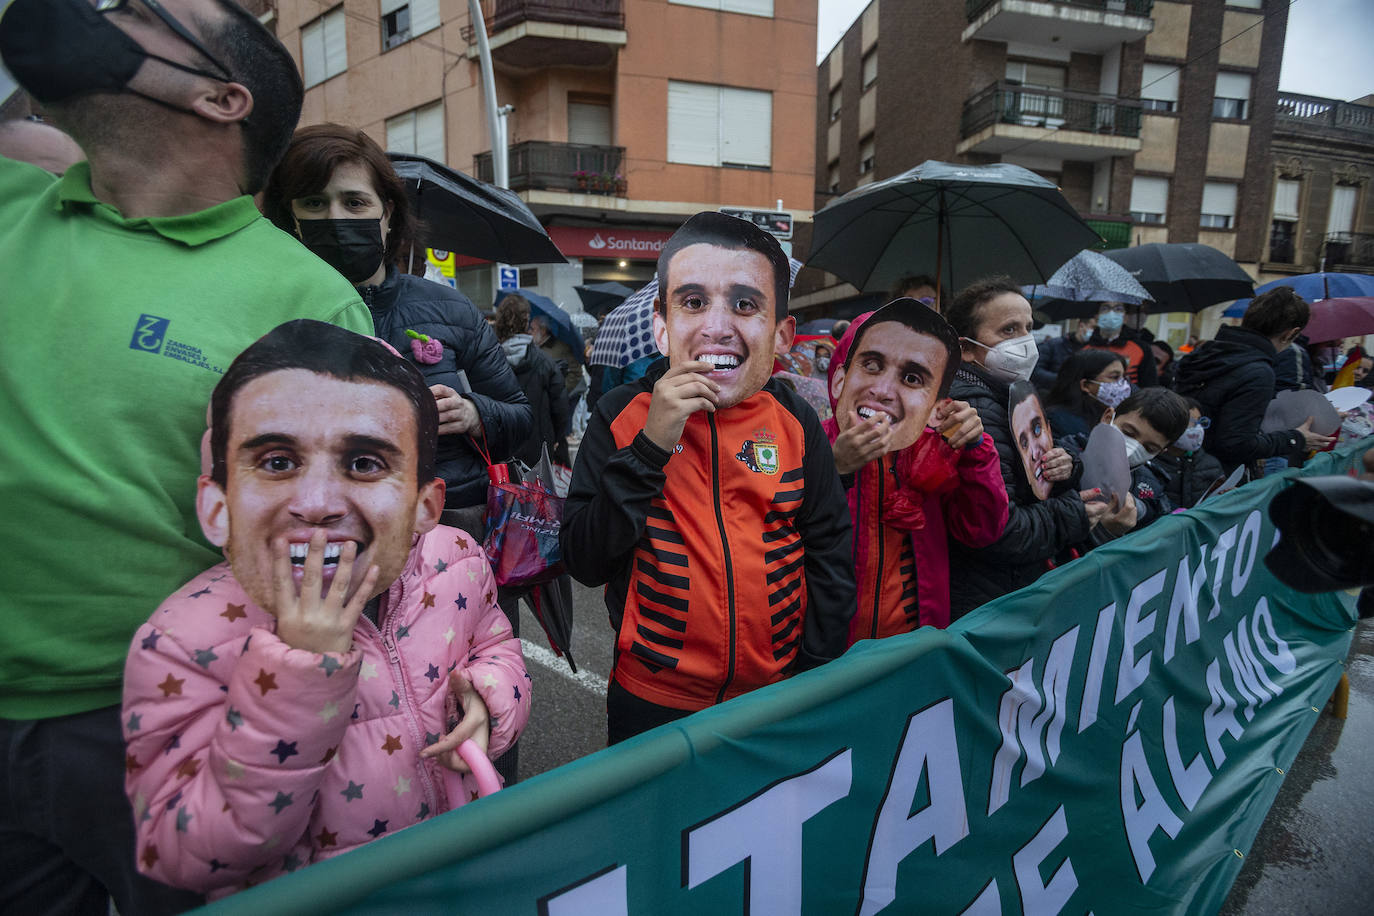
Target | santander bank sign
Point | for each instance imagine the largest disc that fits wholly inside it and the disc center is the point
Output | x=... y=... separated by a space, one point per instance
x=633 y=244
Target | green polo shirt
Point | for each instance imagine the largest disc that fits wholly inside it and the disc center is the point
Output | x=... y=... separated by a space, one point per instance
x=115 y=332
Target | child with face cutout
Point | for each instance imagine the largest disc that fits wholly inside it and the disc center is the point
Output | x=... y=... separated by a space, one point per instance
x=917 y=467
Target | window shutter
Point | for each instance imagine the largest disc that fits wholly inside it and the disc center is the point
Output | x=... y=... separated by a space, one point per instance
x=312 y=52
x=335 y=43
x=1342 y=216
x=693 y=123
x=400 y=133
x=1149 y=195
x=1159 y=82
x=589 y=122
x=391 y=6
x=424 y=15
x=1286 y=200
x=752 y=7
x=746 y=127
x=1219 y=199
x=429 y=132
x=1233 y=86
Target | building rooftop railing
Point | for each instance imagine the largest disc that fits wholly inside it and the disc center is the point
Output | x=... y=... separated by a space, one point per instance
x=540 y=165
x=1309 y=111
x=1030 y=106
x=604 y=14
x=976 y=8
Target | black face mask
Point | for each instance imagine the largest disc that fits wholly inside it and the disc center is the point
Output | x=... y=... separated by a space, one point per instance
x=61 y=49
x=353 y=247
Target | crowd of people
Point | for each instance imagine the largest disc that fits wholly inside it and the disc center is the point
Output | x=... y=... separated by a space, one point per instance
x=251 y=618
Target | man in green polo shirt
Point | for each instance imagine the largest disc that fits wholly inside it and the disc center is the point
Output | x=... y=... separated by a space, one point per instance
x=127 y=286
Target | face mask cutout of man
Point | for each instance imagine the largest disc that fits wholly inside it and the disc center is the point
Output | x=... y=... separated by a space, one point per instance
x=1031 y=430
x=322 y=447
x=720 y=316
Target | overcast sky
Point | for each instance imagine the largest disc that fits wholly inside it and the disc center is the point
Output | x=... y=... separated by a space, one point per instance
x=1327 y=51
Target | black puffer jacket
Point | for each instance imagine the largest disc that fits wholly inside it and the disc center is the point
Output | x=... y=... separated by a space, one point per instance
x=1233 y=378
x=543 y=385
x=402 y=303
x=1036 y=531
x=1187 y=477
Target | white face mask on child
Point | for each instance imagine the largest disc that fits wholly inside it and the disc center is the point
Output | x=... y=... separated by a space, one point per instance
x=1192 y=437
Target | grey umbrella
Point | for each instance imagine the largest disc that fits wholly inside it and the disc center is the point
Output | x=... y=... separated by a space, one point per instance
x=459 y=213
x=955 y=222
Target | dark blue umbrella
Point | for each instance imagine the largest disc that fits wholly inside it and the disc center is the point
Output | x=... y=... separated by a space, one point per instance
x=559 y=321
x=600 y=298
x=1313 y=287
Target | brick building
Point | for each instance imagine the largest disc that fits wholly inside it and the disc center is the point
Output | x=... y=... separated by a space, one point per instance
x=621 y=128
x=1155 y=118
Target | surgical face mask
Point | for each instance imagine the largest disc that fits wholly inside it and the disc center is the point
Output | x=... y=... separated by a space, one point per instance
x=822 y=363
x=1111 y=321
x=1192 y=437
x=1011 y=360
x=61 y=49
x=1113 y=393
x=1136 y=454
x=353 y=247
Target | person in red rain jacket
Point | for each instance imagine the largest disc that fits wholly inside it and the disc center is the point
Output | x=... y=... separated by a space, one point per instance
x=911 y=486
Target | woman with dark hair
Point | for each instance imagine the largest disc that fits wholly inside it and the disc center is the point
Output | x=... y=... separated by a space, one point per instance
x=336 y=191
x=993 y=321
x=1089 y=382
x=539 y=378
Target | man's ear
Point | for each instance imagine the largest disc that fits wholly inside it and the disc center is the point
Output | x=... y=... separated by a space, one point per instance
x=225 y=103
x=837 y=384
x=785 y=334
x=660 y=327
x=212 y=508
x=968 y=351
x=429 y=506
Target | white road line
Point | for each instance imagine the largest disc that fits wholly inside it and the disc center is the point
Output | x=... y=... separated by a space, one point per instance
x=545 y=658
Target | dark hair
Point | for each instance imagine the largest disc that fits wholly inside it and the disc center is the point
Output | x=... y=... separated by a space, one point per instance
x=328 y=350
x=923 y=320
x=712 y=228
x=315 y=152
x=1163 y=346
x=261 y=63
x=962 y=313
x=1275 y=312
x=1085 y=365
x=1194 y=404
x=512 y=316
x=1161 y=408
x=909 y=282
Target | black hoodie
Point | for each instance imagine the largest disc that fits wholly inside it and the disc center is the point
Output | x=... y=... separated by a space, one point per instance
x=1233 y=378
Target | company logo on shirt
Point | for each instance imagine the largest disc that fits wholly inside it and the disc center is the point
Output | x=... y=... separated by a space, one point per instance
x=150 y=336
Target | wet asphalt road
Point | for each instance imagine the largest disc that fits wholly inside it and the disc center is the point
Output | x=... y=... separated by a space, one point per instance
x=1314 y=854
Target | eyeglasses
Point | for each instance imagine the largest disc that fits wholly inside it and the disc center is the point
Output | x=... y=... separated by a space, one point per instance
x=1204 y=422
x=111 y=6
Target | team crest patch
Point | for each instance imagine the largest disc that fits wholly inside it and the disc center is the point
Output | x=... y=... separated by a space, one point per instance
x=760 y=454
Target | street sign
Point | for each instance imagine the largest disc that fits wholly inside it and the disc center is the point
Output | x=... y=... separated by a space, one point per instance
x=508 y=277
x=774 y=222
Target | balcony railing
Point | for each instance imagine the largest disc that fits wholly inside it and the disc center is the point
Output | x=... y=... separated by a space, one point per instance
x=537 y=165
x=976 y=8
x=1350 y=249
x=603 y=14
x=1030 y=106
x=1115 y=230
x=1324 y=114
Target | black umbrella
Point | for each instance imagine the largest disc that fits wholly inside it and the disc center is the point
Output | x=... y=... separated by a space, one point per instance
x=461 y=214
x=955 y=222
x=552 y=604
x=599 y=298
x=1184 y=276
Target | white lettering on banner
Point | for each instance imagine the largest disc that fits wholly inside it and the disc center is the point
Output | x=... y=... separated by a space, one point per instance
x=988 y=903
x=1220 y=717
x=1282 y=656
x=766 y=832
x=1130 y=673
x=1097 y=666
x=1037 y=897
x=1185 y=603
x=603 y=894
x=1026 y=716
x=930 y=748
x=1191 y=780
x=1249 y=534
x=1220 y=549
x=1249 y=676
x=1152 y=814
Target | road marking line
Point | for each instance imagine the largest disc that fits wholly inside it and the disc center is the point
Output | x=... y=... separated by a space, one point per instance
x=545 y=658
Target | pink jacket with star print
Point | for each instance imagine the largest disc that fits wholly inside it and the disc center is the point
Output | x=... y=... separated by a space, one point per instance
x=247 y=758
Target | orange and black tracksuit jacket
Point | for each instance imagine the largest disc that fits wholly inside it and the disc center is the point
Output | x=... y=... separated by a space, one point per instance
x=728 y=562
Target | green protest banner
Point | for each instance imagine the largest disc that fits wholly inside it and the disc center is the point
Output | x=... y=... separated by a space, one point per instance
x=1108 y=740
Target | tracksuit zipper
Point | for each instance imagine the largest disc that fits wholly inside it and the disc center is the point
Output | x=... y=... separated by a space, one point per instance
x=398 y=678
x=882 y=547
x=725 y=546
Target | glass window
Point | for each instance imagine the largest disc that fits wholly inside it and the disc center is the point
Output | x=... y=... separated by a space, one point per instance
x=324 y=47
x=1159 y=87
x=749 y=7
x=870 y=67
x=835 y=96
x=418 y=132
x=1218 y=205
x=1149 y=199
x=719 y=125
x=1286 y=199
x=1232 y=96
x=866 y=150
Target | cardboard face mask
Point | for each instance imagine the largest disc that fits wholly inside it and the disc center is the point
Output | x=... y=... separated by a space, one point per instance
x=1031 y=431
x=894 y=372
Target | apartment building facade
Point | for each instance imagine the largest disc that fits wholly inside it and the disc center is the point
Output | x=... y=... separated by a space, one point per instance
x=1154 y=117
x=628 y=115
